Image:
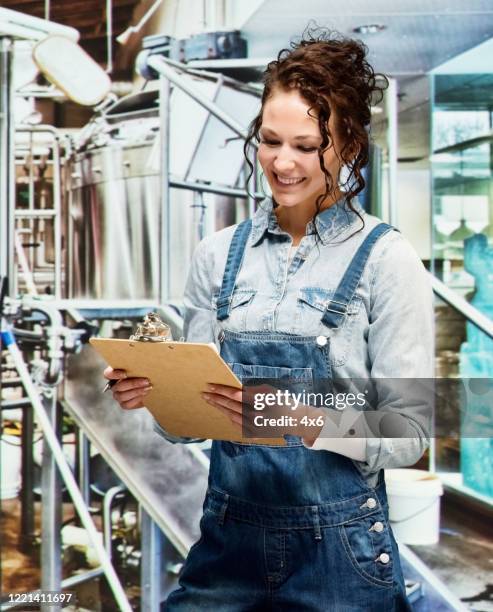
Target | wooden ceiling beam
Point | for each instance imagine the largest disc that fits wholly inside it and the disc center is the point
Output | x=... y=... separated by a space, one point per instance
x=57 y=4
x=117 y=30
x=89 y=7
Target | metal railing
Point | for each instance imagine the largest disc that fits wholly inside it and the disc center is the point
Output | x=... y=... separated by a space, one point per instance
x=472 y=314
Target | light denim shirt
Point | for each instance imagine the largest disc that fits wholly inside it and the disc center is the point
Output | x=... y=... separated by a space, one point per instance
x=387 y=334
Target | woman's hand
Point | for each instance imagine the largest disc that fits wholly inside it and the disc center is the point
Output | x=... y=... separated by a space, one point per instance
x=128 y=392
x=238 y=406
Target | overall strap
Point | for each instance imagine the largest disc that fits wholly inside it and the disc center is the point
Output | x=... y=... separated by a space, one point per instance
x=336 y=309
x=233 y=265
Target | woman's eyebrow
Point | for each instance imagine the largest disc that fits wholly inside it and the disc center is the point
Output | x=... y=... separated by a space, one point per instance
x=300 y=137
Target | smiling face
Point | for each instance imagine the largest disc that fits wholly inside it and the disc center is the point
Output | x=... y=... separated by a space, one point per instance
x=288 y=151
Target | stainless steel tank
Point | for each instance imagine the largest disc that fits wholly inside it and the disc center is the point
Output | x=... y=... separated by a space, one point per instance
x=113 y=212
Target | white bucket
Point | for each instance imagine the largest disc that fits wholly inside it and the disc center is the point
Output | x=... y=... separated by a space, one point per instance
x=414 y=505
x=10 y=464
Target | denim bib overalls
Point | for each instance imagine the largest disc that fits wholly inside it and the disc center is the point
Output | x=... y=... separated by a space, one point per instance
x=285 y=527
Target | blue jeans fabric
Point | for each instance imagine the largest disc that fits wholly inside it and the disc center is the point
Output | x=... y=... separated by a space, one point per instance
x=284 y=527
x=304 y=558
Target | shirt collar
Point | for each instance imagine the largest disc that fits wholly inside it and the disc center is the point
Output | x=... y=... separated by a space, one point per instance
x=330 y=223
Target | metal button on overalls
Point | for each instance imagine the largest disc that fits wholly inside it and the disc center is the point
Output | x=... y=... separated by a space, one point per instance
x=371 y=503
x=384 y=558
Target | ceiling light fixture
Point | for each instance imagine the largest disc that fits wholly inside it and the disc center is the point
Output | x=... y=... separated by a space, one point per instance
x=371 y=28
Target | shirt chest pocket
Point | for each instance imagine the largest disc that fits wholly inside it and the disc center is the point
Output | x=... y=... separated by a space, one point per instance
x=311 y=305
x=241 y=301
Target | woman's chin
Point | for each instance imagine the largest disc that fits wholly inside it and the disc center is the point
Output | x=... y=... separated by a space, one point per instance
x=287 y=200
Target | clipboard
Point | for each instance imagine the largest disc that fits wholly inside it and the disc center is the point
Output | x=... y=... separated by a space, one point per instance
x=178 y=372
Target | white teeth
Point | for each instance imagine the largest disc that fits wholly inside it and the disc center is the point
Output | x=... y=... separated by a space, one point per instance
x=288 y=181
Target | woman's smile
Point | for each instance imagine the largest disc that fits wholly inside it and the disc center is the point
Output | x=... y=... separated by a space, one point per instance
x=288 y=181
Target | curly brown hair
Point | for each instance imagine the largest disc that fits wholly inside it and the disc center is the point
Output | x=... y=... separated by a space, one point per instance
x=332 y=74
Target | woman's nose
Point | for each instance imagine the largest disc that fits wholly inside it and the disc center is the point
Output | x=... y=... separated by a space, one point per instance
x=284 y=161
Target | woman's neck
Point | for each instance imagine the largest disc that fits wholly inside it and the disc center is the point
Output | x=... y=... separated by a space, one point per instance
x=294 y=219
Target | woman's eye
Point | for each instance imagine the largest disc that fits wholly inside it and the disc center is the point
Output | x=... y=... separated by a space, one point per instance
x=276 y=143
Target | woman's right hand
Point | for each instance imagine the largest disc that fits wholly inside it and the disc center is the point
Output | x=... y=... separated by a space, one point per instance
x=128 y=392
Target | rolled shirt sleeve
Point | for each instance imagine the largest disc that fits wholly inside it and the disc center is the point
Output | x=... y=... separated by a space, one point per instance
x=400 y=344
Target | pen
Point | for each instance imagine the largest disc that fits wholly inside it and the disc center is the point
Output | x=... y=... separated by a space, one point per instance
x=110 y=384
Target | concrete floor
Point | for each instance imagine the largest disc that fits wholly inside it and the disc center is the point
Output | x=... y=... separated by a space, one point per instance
x=463 y=559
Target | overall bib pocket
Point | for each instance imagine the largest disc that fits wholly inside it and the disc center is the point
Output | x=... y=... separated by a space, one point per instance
x=312 y=302
x=296 y=380
x=240 y=303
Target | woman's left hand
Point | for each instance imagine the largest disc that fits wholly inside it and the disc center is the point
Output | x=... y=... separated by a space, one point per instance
x=231 y=401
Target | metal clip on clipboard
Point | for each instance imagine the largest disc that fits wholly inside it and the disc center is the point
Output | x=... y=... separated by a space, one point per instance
x=152 y=329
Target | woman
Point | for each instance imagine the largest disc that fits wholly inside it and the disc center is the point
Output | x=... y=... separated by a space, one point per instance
x=310 y=289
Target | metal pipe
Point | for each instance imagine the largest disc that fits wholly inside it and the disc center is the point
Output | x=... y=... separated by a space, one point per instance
x=93 y=304
x=69 y=246
x=68 y=583
x=24 y=265
x=392 y=149
x=10 y=382
x=31 y=207
x=109 y=497
x=54 y=341
x=109 y=36
x=18 y=403
x=82 y=461
x=165 y=221
x=27 y=333
x=27 y=530
x=51 y=507
x=57 y=222
x=191 y=68
x=21 y=25
x=217 y=189
x=6 y=165
x=43 y=213
x=65 y=471
x=162 y=67
x=151 y=563
x=471 y=313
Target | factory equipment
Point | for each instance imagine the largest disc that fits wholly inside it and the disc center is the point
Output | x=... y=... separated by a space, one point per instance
x=114 y=190
x=105 y=224
x=100 y=219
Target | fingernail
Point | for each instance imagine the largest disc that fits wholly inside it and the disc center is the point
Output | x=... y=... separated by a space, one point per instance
x=206 y=396
x=211 y=387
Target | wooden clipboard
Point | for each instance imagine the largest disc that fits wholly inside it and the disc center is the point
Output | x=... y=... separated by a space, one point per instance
x=178 y=372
